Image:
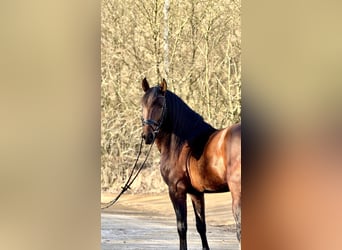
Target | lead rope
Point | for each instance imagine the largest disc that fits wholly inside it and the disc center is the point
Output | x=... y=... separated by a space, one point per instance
x=131 y=177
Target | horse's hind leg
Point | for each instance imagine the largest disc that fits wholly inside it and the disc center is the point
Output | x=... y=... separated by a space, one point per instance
x=235 y=188
x=199 y=209
x=237 y=216
x=178 y=198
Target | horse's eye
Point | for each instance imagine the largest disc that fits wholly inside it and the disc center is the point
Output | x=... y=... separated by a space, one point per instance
x=157 y=105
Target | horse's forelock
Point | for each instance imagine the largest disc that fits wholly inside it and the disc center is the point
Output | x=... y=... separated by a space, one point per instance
x=150 y=95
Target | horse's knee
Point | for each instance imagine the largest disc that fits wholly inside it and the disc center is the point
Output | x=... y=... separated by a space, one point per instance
x=182 y=228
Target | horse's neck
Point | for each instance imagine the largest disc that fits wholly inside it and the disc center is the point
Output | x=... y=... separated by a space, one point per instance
x=167 y=142
x=183 y=125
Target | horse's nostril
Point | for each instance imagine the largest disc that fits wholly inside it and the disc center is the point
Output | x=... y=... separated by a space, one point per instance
x=148 y=138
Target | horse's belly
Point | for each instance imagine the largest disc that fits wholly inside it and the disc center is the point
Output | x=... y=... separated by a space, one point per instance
x=209 y=177
x=217 y=189
x=215 y=181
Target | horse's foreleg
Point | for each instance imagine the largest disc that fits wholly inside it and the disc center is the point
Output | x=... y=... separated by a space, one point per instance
x=178 y=199
x=199 y=209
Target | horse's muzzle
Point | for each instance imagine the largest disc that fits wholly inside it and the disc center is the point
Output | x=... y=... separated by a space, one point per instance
x=149 y=138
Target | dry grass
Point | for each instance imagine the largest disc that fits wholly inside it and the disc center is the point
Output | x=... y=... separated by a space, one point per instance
x=204 y=70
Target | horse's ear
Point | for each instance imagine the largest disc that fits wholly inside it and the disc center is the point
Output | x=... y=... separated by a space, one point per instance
x=163 y=86
x=145 y=85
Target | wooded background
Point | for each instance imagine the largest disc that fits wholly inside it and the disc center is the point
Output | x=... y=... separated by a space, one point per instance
x=194 y=44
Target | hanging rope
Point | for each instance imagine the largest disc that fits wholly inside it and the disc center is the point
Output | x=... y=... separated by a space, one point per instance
x=133 y=175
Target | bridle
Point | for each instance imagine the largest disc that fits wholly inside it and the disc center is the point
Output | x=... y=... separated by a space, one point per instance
x=155 y=125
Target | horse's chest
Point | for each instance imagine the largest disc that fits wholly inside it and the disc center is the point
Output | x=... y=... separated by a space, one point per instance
x=172 y=171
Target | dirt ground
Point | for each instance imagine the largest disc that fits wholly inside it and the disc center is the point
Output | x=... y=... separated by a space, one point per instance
x=147 y=221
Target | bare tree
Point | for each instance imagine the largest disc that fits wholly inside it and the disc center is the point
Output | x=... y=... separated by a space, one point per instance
x=166 y=38
x=193 y=43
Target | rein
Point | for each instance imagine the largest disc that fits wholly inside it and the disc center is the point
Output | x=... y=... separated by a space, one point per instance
x=133 y=175
x=155 y=125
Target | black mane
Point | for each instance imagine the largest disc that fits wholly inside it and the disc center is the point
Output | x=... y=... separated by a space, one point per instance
x=185 y=124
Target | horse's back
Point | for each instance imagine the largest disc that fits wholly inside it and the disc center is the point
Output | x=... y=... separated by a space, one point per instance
x=233 y=143
x=226 y=143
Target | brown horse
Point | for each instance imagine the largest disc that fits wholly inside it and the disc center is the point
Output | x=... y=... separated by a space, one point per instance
x=195 y=157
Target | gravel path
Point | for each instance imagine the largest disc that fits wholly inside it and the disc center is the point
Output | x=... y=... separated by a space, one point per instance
x=123 y=228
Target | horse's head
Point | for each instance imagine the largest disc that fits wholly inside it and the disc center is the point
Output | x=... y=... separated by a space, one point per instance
x=153 y=109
